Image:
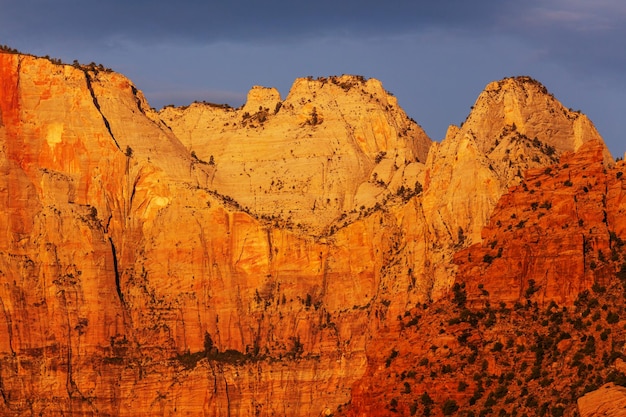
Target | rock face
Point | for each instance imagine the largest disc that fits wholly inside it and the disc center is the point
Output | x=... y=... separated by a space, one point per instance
x=551 y=237
x=535 y=318
x=609 y=401
x=217 y=261
x=120 y=272
x=508 y=132
x=332 y=146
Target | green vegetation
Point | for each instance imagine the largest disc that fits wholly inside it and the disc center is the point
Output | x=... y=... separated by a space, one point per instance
x=449 y=407
x=190 y=360
x=392 y=356
x=516 y=355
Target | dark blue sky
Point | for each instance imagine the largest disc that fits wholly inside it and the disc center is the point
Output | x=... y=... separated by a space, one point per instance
x=435 y=56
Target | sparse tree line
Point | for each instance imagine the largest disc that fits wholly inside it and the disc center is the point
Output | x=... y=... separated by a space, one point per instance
x=92 y=66
x=7 y=48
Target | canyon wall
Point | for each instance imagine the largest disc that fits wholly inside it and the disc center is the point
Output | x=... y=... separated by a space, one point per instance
x=216 y=261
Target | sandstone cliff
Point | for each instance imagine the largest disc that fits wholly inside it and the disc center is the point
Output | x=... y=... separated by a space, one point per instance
x=535 y=319
x=514 y=125
x=609 y=401
x=217 y=261
x=117 y=266
x=332 y=146
x=551 y=237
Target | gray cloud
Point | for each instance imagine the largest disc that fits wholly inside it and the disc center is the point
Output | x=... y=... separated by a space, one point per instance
x=244 y=20
x=589 y=36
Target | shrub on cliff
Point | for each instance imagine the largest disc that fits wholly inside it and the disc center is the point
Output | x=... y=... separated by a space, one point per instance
x=449 y=407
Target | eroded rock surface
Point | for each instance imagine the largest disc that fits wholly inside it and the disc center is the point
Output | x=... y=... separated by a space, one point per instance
x=217 y=261
x=332 y=146
x=553 y=236
x=609 y=400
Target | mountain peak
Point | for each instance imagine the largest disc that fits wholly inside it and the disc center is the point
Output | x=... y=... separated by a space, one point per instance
x=343 y=140
x=260 y=98
x=521 y=110
x=520 y=81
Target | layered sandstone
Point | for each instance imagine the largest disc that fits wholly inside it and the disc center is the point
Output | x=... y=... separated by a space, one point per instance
x=332 y=146
x=551 y=237
x=608 y=401
x=508 y=131
x=115 y=262
x=208 y=260
x=535 y=319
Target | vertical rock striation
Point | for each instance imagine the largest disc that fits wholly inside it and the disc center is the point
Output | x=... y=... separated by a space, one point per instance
x=217 y=261
x=553 y=236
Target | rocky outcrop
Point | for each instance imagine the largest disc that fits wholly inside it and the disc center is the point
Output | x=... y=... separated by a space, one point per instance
x=332 y=146
x=208 y=260
x=524 y=111
x=507 y=132
x=551 y=237
x=121 y=274
x=534 y=320
x=609 y=401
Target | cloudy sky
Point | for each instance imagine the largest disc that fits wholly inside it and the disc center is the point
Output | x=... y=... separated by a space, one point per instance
x=435 y=56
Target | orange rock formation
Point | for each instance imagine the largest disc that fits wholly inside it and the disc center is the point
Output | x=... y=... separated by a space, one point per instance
x=217 y=261
x=551 y=237
x=609 y=401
